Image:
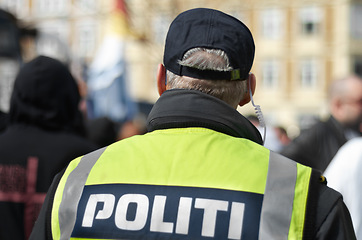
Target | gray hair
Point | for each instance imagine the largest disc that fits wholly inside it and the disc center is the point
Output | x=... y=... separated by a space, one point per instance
x=230 y=92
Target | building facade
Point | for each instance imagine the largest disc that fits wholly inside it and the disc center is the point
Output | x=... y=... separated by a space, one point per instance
x=301 y=45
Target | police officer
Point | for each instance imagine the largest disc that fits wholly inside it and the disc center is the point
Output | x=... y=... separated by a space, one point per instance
x=201 y=171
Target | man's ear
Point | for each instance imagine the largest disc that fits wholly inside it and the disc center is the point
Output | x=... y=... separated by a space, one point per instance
x=251 y=84
x=161 y=79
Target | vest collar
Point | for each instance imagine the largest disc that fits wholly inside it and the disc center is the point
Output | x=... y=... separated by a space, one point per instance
x=179 y=108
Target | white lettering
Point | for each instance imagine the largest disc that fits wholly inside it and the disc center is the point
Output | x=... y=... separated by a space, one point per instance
x=157 y=223
x=183 y=215
x=158 y=210
x=210 y=207
x=141 y=212
x=106 y=212
x=236 y=220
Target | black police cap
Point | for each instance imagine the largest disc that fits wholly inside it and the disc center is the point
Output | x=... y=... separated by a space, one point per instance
x=211 y=29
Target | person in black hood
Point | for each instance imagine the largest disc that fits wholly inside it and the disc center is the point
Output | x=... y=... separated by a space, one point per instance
x=46 y=95
x=45 y=131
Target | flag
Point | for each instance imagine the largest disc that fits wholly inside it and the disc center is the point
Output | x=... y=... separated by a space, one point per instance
x=108 y=93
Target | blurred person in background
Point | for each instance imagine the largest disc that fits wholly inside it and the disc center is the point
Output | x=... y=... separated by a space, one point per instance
x=107 y=76
x=316 y=146
x=283 y=136
x=12 y=34
x=201 y=171
x=344 y=175
x=9 y=51
x=45 y=132
x=109 y=100
x=273 y=137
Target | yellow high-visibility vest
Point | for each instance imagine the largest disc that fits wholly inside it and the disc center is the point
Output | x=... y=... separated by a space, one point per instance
x=190 y=183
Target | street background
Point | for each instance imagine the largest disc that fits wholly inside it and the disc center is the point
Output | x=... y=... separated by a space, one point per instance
x=301 y=46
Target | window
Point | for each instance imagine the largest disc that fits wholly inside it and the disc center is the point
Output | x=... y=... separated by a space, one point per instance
x=270 y=71
x=308 y=73
x=87 y=5
x=17 y=7
x=358 y=66
x=8 y=71
x=86 y=40
x=50 y=7
x=355 y=21
x=52 y=40
x=310 y=18
x=272 y=23
x=48 y=45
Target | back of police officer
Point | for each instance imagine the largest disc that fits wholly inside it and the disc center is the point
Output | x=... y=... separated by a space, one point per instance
x=201 y=171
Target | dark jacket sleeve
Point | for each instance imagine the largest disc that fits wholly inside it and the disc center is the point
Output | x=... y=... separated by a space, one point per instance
x=333 y=219
x=42 y=227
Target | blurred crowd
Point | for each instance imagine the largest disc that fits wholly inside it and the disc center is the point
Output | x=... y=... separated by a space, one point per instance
x=51 y=121
x=49 y=124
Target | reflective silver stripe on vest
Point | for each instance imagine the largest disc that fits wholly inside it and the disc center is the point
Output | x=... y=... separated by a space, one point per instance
x=278 y=200
x=72 y=192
